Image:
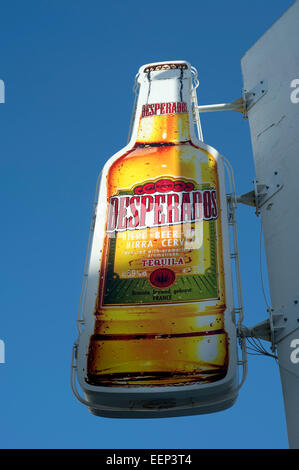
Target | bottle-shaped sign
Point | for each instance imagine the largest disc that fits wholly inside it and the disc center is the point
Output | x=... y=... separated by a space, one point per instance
x=161 y=283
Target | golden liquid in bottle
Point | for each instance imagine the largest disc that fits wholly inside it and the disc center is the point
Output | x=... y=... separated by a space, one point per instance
x=149 y=334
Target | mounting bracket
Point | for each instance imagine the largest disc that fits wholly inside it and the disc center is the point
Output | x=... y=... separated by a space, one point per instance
x=262 y=193
x=241 y=105
x=277 y=326
x=255 y=94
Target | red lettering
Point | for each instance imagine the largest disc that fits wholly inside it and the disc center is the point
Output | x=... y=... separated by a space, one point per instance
x=146 y=206
x=207 y=205
x=164 y=108
x=152 y=109
x=172 y=208
x=131 y=212
x=122 y=221
x=159 y=210
x=214 y=204
x=112 y=215
x=134 y=200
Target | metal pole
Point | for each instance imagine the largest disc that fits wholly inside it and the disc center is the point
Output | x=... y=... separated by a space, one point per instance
x=274 y=122
x=237 y=105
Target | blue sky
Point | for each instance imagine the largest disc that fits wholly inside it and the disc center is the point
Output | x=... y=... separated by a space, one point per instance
x=68 y=68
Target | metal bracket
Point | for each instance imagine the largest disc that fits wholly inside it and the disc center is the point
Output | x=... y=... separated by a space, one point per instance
x=277 y=327
x=285 y=320
x=261 y=330
x=253 y=96
x=241 y=105
x=262 y=193
x=265 y=330
x=236 y=105
x=254 y=198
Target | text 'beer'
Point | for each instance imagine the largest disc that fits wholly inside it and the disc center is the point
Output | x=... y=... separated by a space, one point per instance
x=159 y=314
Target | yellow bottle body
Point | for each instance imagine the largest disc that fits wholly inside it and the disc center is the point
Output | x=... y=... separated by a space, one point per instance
x=161 y=295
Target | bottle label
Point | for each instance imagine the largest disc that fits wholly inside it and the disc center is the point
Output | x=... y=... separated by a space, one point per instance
x=161 y=243
x=157 y=109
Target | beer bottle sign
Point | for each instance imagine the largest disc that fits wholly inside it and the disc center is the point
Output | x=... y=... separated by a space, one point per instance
x=159 y=336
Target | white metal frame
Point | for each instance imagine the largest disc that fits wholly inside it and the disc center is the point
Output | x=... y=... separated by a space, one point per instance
x=85 y=319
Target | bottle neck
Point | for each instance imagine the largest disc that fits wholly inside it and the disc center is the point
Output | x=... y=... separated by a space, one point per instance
x=164 y=109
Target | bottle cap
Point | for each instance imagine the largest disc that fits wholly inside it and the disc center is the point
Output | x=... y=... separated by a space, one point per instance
x=165 y=70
